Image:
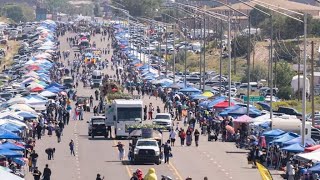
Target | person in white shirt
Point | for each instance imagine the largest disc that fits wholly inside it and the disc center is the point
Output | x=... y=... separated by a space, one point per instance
x=172 y=136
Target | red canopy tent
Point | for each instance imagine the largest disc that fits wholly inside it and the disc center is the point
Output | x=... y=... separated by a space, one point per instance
x=33 y=68
x=312 y=148
x=37 y=89
x=223 y=104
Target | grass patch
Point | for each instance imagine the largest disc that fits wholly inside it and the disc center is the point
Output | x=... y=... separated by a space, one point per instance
x=13 y=50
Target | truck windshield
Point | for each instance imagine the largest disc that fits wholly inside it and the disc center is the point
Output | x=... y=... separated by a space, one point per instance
x=127 y=114
x=97 y=120
x=67 y=81
x=162 y=117
x=96 y=77
x=146 y=143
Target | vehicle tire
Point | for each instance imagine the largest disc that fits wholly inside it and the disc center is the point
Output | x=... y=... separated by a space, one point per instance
x=89 y=134
x=158 y=162
x=92 y=136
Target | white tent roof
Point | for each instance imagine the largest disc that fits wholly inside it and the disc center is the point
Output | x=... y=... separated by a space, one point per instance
x=314 y=156
x=8 y=176
x=47 y=94
x=8 y=114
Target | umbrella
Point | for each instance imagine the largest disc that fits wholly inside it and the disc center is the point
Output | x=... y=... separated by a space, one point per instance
x=207 y=94
x=5 y=134
x=230 y=129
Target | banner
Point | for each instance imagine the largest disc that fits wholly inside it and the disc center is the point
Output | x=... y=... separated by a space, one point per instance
x=264 y=172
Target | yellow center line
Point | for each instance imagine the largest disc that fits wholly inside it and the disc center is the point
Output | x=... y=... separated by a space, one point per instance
x=126 y=166
x=175 y=170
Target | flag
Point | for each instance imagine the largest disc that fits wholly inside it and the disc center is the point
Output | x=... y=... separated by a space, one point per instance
x=264 y=172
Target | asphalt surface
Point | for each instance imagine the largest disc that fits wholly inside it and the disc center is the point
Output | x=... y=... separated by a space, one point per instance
x=216 y=160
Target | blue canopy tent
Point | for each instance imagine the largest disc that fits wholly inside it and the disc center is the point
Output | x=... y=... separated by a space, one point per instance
x=204 y=104
x=284 y=138
x=5 y=134
x=189 y=89
x=10 y=154
x=270 y=135
x=294 y=148
x=253 y=112
x=55 y=85
x=198 y=97
x=216 y=101
x=308 y=141
x=19 y=161
x=54 y=90
x=315 y=169
x=11 y=146
x=27 y=115
x=10 y=127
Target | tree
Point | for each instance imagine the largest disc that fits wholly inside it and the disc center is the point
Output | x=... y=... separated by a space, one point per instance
x=286 y=50
x=140 y=7
x=284 y=74
x=241 y=46
x=97 y=10
x=19 y=12
x=259 y=72
x=256 y=17
x=285 y=93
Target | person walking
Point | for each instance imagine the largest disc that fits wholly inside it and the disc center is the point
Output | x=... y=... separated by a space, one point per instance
x=34 y=158
x=120 y=147
x=91 y=101
x=50 y=153
x=150 y=112
x=36 y=174
x=167 y=151
x=182 y=135
x=196 y=137
x=58 y=133
x=99 y=177
x=172 y=136
x=46 y=173
x=71 y=146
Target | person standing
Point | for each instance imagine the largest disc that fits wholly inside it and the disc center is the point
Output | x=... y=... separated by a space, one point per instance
x=58 y=133
x=172 y=136
x=96 y=93
x=120 y=147
x=91 y=101
x=150 y=112
x=46 y=173
x=34 y=158
x=167 y=151
x=182 y=136
x=99 y=177
x=36 y=174
x=196 y=137
x=71 y=146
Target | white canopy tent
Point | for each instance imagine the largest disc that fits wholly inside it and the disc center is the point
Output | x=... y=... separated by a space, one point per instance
x=314 y=156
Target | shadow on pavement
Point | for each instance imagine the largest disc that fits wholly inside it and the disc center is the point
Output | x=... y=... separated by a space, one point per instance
x=236 y=152
x=112 y=161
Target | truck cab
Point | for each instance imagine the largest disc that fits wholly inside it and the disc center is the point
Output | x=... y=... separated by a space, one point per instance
x=146 y=151
x=96 y=79
x=97 y=127
x=67 y=82
x=163 y=119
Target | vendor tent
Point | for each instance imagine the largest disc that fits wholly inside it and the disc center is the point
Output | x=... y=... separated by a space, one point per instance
x=22 y=107
x=243 y=119
x=312 y=148
x=308 y=141
x=9 y=153
x=315 y=169
x=223 y=104
x=5 y=134
x=48 y=94
x=284 y=138
x=189 y=89
x=315 y=156
x=270 y=135
x=11 y=146
x=10 y=115
x=294 y=148
x=9 y=176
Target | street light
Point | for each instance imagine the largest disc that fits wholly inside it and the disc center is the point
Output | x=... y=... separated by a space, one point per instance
x=304 y=21
x=185 y=48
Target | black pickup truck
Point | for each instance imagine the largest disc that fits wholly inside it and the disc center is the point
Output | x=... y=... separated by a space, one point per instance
x=289 y=111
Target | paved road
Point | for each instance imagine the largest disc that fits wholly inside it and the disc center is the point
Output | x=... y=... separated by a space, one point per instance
x=216 y=160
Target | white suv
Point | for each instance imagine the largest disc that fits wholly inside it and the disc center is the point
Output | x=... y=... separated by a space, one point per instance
x=163 y=119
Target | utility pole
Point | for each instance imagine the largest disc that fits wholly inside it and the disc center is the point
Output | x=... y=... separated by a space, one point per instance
x=204 y=51
x=220 y=62
x=166 y=34
x=312 y=81
x=200 y=58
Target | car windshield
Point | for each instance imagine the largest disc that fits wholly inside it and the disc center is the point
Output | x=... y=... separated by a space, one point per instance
x=162 y=117
x=97 y=120
x=146 y=143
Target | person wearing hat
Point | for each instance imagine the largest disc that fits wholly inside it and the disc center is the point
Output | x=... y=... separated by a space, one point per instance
x=99 y=177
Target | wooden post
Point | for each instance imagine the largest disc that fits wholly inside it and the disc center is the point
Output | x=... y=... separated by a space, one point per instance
x=312 y=81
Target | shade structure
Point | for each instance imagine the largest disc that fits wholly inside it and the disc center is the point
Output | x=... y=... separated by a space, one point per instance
x=294 y=148
x=270 y=135
x=27 y=115
x=236 y=111
x=312 y=148
x=22 y=107
x=308 y=141
x=223 y=104
x=207 y=94
x=11 y=127
x=10 y=154
x=11 y=146
x=189 y=89
x=5 y=134
x=9 y=176
x=285 y=137
x=10 y=115
x=315 y=155
x=37 y=89
x=48 y=94
x=215 y=101
x=243 y=119
x=315 y=169
x=17 y=100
